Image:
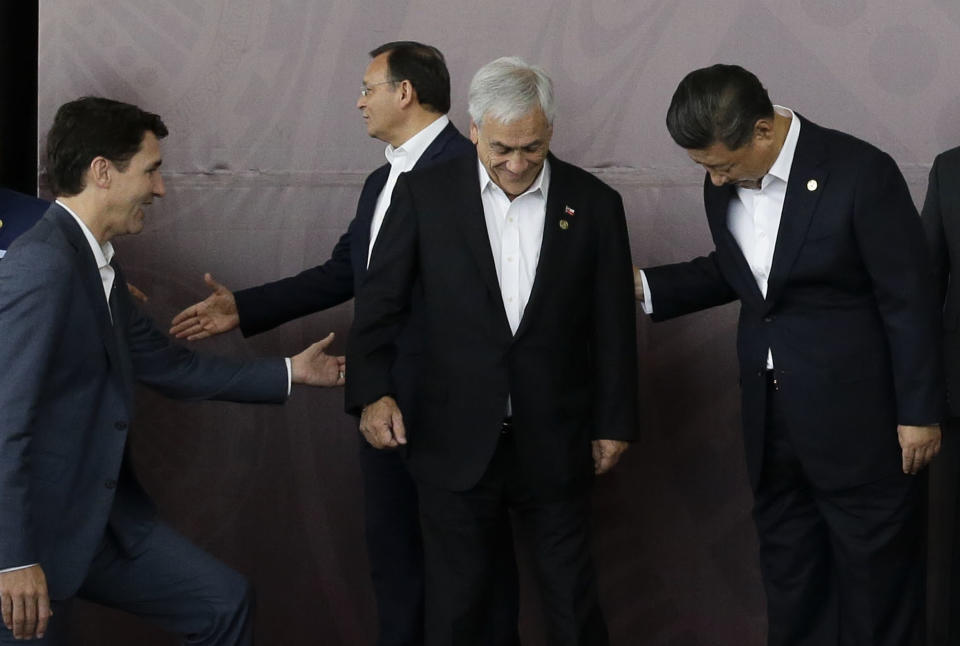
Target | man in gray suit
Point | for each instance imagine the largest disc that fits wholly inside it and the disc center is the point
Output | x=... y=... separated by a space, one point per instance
x=73 y=519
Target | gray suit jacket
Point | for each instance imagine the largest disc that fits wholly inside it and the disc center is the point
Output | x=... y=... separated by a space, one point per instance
x=66 y=402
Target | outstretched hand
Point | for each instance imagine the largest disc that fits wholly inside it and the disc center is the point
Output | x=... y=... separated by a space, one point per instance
x=215 y=314
x=314 y=367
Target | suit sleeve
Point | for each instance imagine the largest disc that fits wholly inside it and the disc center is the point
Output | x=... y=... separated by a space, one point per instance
x=382 y=304
x=891 y=241
x=932 y=220
x=265 y=307
x=615 y=331
x=180 y=373
x=685 y=287
x=33 y=297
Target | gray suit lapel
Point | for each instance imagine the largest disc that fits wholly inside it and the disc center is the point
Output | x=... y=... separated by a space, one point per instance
x=89 y=276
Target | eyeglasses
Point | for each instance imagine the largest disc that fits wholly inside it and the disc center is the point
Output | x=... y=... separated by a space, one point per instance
x=365 y=89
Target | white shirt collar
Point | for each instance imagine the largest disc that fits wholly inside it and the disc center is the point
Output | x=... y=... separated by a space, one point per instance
x=102 y=254
x=781 y=167
x=415 y=146
x=541 y=183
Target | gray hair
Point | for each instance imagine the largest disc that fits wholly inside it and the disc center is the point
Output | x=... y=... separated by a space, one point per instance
x=509 y=88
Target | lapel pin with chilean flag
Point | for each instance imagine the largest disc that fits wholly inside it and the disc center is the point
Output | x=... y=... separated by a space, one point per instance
x=567 y=211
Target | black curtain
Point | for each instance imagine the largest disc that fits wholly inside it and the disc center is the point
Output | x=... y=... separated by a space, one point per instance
x=18 y=95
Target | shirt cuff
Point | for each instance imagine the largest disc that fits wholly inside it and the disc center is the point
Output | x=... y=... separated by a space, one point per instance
x=19 y=567
x=647 y=302
x=289 y=374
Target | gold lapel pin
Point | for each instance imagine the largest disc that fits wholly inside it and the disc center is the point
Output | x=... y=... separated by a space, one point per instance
x=1 y=224
x=564 y=225
x=812 y=185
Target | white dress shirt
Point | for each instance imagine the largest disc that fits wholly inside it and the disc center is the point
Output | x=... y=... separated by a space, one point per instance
x=754 y=217
x=102 y=255
x=401 y=159
x=515 y=229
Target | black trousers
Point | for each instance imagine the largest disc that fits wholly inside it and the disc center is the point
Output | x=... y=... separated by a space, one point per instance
x=471 y=569
x=943 y=585
x=394 y=546
x=171 y=583
x=840 y=567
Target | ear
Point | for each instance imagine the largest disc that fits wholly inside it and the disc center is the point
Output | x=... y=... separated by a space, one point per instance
x=100 y=172
x=763 y=130
x=405 y=93
x=474 y=132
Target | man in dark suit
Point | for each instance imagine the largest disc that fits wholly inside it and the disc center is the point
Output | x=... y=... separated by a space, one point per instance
x=941 y=220
x=404 y=101
x=817 y=237
x=509 y=259
x=73 y=519
x=18 y=212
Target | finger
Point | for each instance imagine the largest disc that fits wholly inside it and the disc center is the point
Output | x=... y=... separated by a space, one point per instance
x=43 y=614
x=30 y=617
x=323 y=343
x=189 y=313
x=399 y=430
x=604 y=465
x=18 y=617
x=6 y=609
x=908 y=460
x=136 y=293
x=203 y=334
x=208 y=279
x=186 y=327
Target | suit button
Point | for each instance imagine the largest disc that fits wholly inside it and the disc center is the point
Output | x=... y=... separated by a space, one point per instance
x=110 y=484
x=768 y=319
x=120 y=426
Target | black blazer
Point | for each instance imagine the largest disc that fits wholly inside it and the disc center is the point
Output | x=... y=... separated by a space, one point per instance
x=941 y=221
x=66 y=402
x=849 y=314
x=571 y=367
x=318 y=288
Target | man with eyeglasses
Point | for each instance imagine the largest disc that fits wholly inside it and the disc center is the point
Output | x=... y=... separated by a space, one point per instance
x=404 y=100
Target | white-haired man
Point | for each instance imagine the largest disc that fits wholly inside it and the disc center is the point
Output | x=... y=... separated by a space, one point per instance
x=516 y=264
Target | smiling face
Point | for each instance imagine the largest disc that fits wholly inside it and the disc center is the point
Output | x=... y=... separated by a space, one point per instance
x=132 y=188
x=380 y=108
x=513 y=153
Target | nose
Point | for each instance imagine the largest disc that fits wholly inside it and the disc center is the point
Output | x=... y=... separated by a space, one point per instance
x=516 y=164
x=159 y=190
x=717 y=179
x=361 y=102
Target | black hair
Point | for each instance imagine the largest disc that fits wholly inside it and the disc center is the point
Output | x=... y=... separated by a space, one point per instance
x=93 y=127
x=425 y=68
x=717 y=103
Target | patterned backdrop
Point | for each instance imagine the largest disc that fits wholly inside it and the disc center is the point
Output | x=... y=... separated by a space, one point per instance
x=264 y=165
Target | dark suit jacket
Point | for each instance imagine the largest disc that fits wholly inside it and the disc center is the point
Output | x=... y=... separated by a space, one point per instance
x=941 y=220
x=849 y=312
x=18 y=212
x=66 y=402
x=571 y=367
x=318 y=288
